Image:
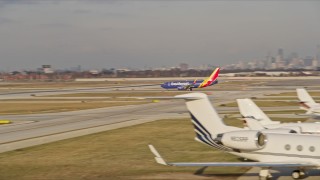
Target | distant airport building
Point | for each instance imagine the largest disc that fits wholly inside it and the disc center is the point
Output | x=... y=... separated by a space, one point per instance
x=94 y=72
x=308 y=61
x=315 y=62
x=47 y=69
x=184 y=67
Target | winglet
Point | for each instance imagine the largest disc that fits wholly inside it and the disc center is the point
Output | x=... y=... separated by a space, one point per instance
x=157 y=157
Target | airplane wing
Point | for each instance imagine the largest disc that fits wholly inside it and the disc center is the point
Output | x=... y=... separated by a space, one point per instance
x=160 y=160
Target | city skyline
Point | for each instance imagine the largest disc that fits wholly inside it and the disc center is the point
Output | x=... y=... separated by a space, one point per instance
x=280 y=60
x=145 y=34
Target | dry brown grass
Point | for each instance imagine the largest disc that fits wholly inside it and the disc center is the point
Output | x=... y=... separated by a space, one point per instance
x=73 y=84
x=33 y=107
x=117 y=154
x=266 y=104
x=123 y=94
x=294 y=94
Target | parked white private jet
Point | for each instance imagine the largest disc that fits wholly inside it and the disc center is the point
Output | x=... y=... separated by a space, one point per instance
x=270 y=150
x=249 y=110
x=307 y=103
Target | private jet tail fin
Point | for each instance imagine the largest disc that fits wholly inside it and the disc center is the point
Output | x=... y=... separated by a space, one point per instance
x=253 y=124
x=248 y=109
x=205 y=119
x=306 y=101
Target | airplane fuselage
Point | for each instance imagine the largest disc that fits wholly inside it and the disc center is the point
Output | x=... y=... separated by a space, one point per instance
x=183 y=85
x=307 y=128
x=281 y=148
x=315 y=111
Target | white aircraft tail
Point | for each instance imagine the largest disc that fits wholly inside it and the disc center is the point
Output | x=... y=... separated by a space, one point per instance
x=306 y=101
x=205 y=119
x=248 y=109
x=253 y=124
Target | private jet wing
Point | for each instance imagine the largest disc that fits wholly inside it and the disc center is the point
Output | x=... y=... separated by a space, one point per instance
x=160 y=160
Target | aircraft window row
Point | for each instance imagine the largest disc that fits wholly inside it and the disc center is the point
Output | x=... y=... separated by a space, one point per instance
x=287 y=147
x=311 y=148
x=299 y=148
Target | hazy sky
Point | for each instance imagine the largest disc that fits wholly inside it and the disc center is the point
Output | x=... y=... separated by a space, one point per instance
x=148 y=33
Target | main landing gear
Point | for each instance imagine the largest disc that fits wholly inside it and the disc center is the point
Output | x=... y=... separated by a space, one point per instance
x=298 y=174
x=264 y=174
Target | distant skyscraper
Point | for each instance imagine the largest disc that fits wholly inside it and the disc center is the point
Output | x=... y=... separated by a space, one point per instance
x=280 y=53
x=315 y=62
x=280 y=63
x=318 y=52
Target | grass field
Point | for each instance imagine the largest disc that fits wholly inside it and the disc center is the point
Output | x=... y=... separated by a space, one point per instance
x=46 y=85
x=286 y=112
x=265 y=104
x=122 y=94
x=279 y=98
x=118 y=154
x=294 y=94
x=34 y=107
x=289 y=120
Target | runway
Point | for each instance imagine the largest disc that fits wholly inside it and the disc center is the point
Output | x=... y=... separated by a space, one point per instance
x=60 y=123
x=42 y=125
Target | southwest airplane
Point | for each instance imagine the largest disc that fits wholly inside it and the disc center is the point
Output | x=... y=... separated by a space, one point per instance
x=269 y=150
x=307 y=103
x=189 y=85
x=249 y=110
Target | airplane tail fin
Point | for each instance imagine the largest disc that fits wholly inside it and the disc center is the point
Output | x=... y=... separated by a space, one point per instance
x=253 y=124
x=248 y=109
x=306 y=101
x=205 y=119
x=211 y=79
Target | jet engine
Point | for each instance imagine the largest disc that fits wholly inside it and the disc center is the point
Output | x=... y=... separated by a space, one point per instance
x=243 y=140
x=181 y=88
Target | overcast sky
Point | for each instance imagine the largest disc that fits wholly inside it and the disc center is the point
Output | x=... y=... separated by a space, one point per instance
x=139 y=34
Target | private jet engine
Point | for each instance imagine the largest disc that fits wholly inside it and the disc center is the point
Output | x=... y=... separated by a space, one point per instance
x=243 y=140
